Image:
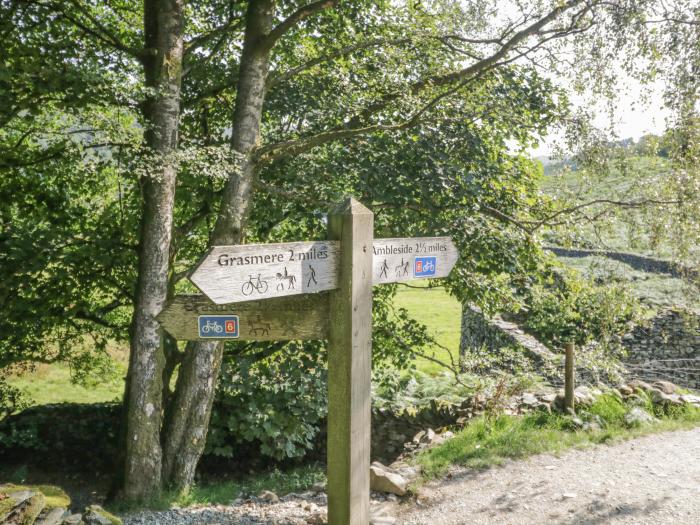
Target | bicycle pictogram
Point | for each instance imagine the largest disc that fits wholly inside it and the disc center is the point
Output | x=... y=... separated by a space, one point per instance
x=218 y=326
x=254 y=285
x=212 y=326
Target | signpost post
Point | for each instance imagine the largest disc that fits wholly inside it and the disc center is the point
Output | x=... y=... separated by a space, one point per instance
x=349 y=367
x=321 y=290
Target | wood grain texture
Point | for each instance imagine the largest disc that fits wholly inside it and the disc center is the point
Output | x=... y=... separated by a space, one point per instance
x=394 y=259
x=284 y=319
x=247 y=272
x=349 y=367
x=569 y=385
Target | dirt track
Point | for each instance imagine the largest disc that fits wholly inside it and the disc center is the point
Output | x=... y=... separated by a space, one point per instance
x=650 y=480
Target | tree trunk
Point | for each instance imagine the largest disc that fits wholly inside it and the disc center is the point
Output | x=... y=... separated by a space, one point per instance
x=185 y=430
x=189 y=414
x=163 y=24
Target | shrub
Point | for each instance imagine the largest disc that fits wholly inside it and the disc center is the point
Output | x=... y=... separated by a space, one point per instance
x=12 y=399
x=420 y=390
x=566 y=307
x=64 y=434
x=610 y=408
x=276 y=403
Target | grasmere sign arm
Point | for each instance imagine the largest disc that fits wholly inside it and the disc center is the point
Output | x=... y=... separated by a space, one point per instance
x=229 y=274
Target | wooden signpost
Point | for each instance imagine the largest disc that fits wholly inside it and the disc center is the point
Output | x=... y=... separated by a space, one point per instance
x=284 y=319
x=232 y=274
x=238 y=282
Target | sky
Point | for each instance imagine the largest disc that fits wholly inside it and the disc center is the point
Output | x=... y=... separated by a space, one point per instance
x=640 y=111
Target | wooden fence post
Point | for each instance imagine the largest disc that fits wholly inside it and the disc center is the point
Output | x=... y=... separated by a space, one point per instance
x=349 y=366
x=569 y=377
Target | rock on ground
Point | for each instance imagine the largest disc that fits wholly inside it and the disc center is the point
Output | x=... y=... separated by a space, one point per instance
x=638 y=416
x=385 y=479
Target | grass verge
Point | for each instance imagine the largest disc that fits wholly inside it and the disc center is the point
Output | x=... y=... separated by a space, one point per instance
x=489 y=441
x=52 y=384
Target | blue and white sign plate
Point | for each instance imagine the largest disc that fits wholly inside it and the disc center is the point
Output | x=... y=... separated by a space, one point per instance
x=218 y=326
x=424 y=266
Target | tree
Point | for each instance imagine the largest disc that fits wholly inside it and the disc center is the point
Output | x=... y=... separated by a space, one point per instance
x=386 y=111
x=651 y=42
x=291 y=84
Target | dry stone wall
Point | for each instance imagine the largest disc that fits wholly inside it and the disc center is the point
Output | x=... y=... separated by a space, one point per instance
x=638 y=262
x=481 y=334
x=666 y=347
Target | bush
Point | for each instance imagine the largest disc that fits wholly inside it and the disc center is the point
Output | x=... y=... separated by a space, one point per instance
x=566 y=307
x=12 y=399
x=275 y=403
x=609 y=408
x=66 y=434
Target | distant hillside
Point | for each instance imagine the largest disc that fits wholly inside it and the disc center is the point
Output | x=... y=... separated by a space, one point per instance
x=624 y=232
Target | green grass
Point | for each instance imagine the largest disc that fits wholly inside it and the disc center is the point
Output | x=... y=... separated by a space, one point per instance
x=52 y=384
x=441 y=313
x=490 y=441
x=280 y=482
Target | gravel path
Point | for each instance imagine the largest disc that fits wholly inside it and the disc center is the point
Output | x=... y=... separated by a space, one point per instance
x=650 y=480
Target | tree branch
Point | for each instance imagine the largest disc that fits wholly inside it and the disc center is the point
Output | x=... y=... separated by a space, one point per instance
x=201 y=40
x=530 y=226
x=215 y=49
x=297 y=16
x=357 y=126
x=472 y=70
x=293 y=147
x=278 y=78
x=96 y=29
x=87 y=316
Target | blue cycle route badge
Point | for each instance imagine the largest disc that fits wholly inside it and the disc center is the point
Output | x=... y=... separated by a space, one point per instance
x=424 y=266
x=218 y=326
